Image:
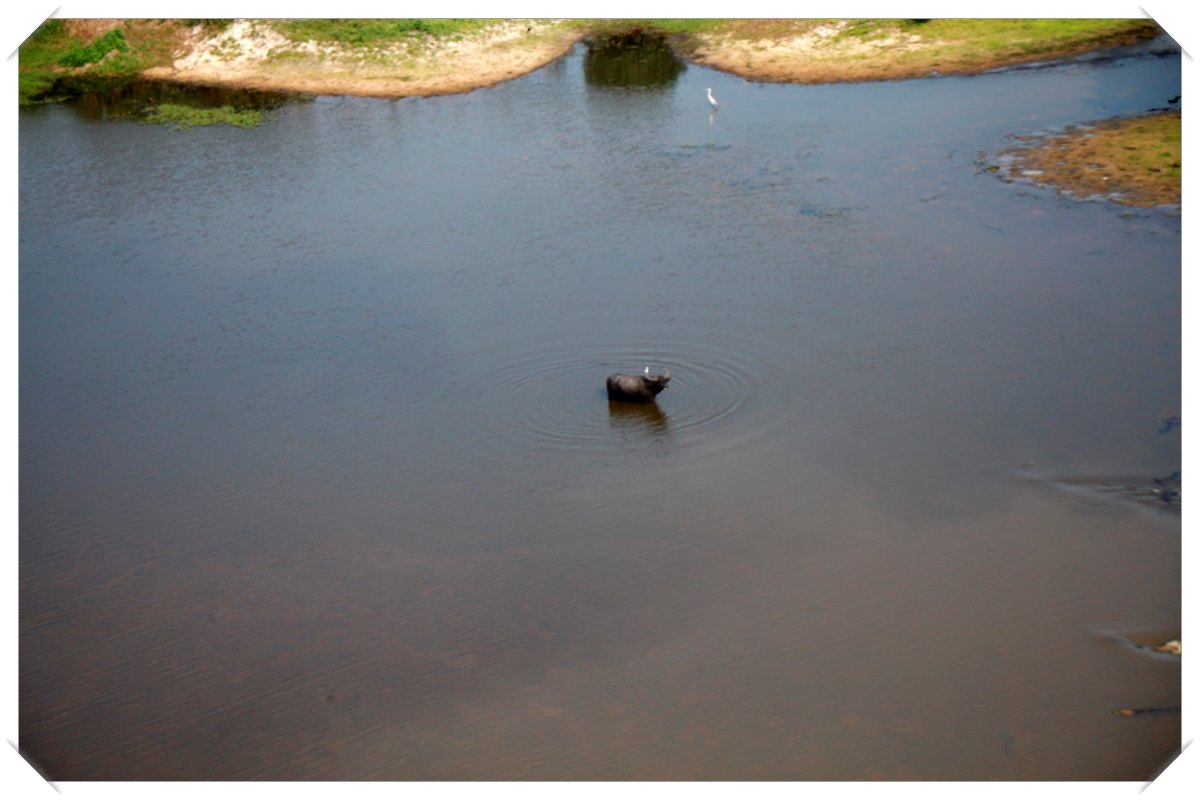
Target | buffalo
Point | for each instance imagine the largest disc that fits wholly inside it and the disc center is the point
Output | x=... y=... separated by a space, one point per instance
x=637 y=388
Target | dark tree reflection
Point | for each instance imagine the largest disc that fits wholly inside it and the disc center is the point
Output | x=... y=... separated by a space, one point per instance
x=132 y=99
x=635 y=59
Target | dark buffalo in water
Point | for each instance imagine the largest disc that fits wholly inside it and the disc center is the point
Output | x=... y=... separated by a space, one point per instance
x=637 y=388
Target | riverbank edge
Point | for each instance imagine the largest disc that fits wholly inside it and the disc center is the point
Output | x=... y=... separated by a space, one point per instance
x=250 y=55
x=1133 y=161
x=809 y=60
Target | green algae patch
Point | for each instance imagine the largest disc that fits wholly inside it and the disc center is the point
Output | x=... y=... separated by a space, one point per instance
x=182 y=117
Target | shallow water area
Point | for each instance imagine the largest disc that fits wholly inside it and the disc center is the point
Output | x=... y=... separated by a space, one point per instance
x=319 y=479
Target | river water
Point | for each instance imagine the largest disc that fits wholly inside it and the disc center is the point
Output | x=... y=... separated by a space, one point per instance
x=319 y=479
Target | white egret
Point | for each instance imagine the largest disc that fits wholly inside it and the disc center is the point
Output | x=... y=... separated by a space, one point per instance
x=712 y=101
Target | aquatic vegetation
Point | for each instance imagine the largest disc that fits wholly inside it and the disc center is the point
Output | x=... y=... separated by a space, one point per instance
x=182 y=117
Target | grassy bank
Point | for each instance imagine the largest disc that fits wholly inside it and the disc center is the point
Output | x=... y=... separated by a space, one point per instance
x=1136 y=161
x=822 y=51
x=373 y=32
x=93 y=49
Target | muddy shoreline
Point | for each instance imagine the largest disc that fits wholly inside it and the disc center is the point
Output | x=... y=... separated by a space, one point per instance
x=1133 y=161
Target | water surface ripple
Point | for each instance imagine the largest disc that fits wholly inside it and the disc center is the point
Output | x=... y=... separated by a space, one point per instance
x=556 y=397
x=319 y=480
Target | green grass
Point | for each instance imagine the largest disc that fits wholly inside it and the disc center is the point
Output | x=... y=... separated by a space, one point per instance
x=961 y=40
x=38 y=59
x=1162 y=134
x=51 y=52
x=606 y=27
x=369 y=32
x=993 y=36
x=181 y=117
x=80 y=54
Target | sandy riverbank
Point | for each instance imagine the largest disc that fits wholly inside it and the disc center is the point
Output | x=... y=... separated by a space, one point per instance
x=833 y=51
x=251 y=54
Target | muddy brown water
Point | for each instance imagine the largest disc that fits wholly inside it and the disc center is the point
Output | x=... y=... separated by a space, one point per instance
x=318 y=478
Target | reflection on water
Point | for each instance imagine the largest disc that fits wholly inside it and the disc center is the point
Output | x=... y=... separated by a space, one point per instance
x=1154 y=492
x=645 y=418
x=135 y=99
x=556 y=395
x=319 y=479
x=633 y=60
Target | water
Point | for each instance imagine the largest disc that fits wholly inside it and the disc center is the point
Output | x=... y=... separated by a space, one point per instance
x=319 y=479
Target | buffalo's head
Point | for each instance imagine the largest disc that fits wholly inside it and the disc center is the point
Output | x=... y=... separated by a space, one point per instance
x=656 y=383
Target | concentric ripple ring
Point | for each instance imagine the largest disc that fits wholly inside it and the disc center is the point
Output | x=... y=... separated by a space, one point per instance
x=559 y=398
